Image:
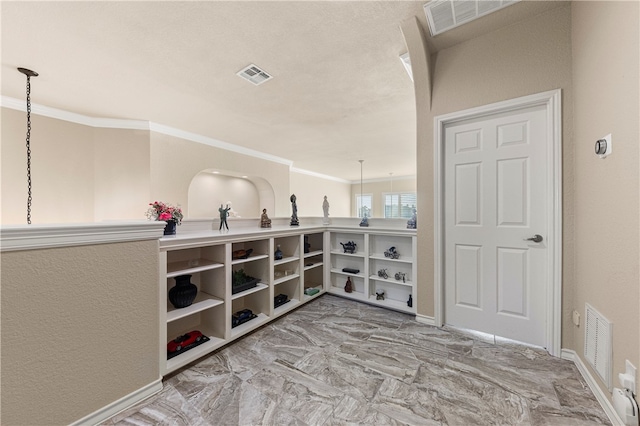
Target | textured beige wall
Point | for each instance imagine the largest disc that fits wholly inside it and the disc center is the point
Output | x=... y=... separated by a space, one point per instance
x=175 y=161
x=529 y=57
x=207 y=191
x=121 y=173
x=605 y=76
x=378 y=189
x=310 y=192
x=61 y=169
x=79 y=329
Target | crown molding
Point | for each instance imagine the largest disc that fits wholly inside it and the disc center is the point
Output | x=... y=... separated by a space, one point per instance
x=318 y=175
x=114 y=123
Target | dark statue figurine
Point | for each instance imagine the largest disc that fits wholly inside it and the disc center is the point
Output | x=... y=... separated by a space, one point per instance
x=265 y=222
x=294 y=207
x=380 y=295
x=349 y=247
x=224 y=212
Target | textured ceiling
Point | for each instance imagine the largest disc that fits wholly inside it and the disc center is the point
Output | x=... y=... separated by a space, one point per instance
x=339 y=92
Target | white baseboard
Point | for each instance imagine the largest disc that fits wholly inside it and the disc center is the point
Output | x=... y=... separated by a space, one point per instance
x=425 y=319
x=123 y=403
x=604 y=401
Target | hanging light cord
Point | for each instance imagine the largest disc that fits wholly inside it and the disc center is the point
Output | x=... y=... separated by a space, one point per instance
x=29 y=198
x=29 y=74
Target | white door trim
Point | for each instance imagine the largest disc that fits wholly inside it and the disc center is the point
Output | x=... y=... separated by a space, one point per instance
x=551 y=100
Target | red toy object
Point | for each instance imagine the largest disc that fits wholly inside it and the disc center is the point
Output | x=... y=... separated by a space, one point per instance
x=184 y=341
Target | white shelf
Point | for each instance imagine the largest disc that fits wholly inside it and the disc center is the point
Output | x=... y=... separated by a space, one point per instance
x=391 y=281
x=353 y=295
x=258 y=287
x=202 y=302
x=291 y=304
x=339 y=271
x=313 y=253
x=356 y=254
x=249 y=325
x=307 y=297
x=390 y=303
x=175 y=269
x=194 y=353
x=315 y=265
x=249 y=259
x=285 y=278
x=286 y=260
x=382 y=257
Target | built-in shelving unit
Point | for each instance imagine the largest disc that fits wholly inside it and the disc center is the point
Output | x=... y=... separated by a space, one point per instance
x=385 y=262
x=210 y=258
x=310 y=263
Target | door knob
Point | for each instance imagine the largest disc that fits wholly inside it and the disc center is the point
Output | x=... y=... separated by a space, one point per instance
x=536 y=238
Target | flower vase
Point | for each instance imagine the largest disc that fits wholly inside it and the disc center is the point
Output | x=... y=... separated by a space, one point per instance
x=170 y=227
x=184 y=292
x=278 y=253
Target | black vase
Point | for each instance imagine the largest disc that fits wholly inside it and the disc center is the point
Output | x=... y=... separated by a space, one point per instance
x=184 y=293
x=170 y=227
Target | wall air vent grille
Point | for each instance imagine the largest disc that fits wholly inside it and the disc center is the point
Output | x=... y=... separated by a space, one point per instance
x=444 y=15
x=597 y=343
x=254 y=74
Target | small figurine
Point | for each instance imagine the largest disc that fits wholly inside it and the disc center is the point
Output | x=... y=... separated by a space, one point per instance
x=410 y=302
x=392 y=253
x=413 y=222
x=265 y=222
x=382 y=273
x=380 y=295
x=349 y=247
x=223 y=216
x=365 y=219
x=232 y=212
x=400 y=276
x=294 y=207
x=348 y=287
x=325 y=209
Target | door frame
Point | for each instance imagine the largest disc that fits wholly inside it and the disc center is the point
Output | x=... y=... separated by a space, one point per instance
x=551 y=100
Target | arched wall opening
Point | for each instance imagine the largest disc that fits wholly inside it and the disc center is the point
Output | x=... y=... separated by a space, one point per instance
x=247 y=195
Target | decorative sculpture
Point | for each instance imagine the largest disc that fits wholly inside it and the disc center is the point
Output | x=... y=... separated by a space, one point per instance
x=392 y=253
x=294 y=208
x=382 y=273
x=223 y=217
x=413 y=222
x=349 y=247
x=365 y=219
x=348 y=287
x=410 y=301
x=265 y=222
x=325 y=209
x=380 y=295
x=232 y=212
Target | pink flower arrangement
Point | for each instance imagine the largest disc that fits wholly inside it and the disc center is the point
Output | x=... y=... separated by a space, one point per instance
x=166 y=212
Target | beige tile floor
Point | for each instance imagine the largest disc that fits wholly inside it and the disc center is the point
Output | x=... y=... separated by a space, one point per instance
x=336 y=361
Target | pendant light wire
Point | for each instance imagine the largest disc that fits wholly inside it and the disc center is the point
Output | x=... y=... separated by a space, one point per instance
x=361 y=193
x=29 y=74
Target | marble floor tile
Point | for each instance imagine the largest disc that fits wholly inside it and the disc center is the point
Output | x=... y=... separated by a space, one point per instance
x=336 y=361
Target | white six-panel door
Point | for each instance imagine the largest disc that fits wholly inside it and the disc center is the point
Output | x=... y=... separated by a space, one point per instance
x=495 y=182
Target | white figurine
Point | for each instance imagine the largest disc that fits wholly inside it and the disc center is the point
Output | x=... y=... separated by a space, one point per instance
x=232 y=212
x=325 y=208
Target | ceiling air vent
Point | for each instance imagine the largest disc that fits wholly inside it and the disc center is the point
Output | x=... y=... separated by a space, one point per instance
x=254 y=74
x=444 y=15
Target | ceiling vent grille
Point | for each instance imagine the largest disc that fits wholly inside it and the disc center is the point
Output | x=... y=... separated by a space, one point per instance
x=254 y=74
x=444 y=15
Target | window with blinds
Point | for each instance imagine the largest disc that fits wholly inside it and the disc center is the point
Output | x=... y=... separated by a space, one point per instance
x=364 y=204
x=399 y=204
